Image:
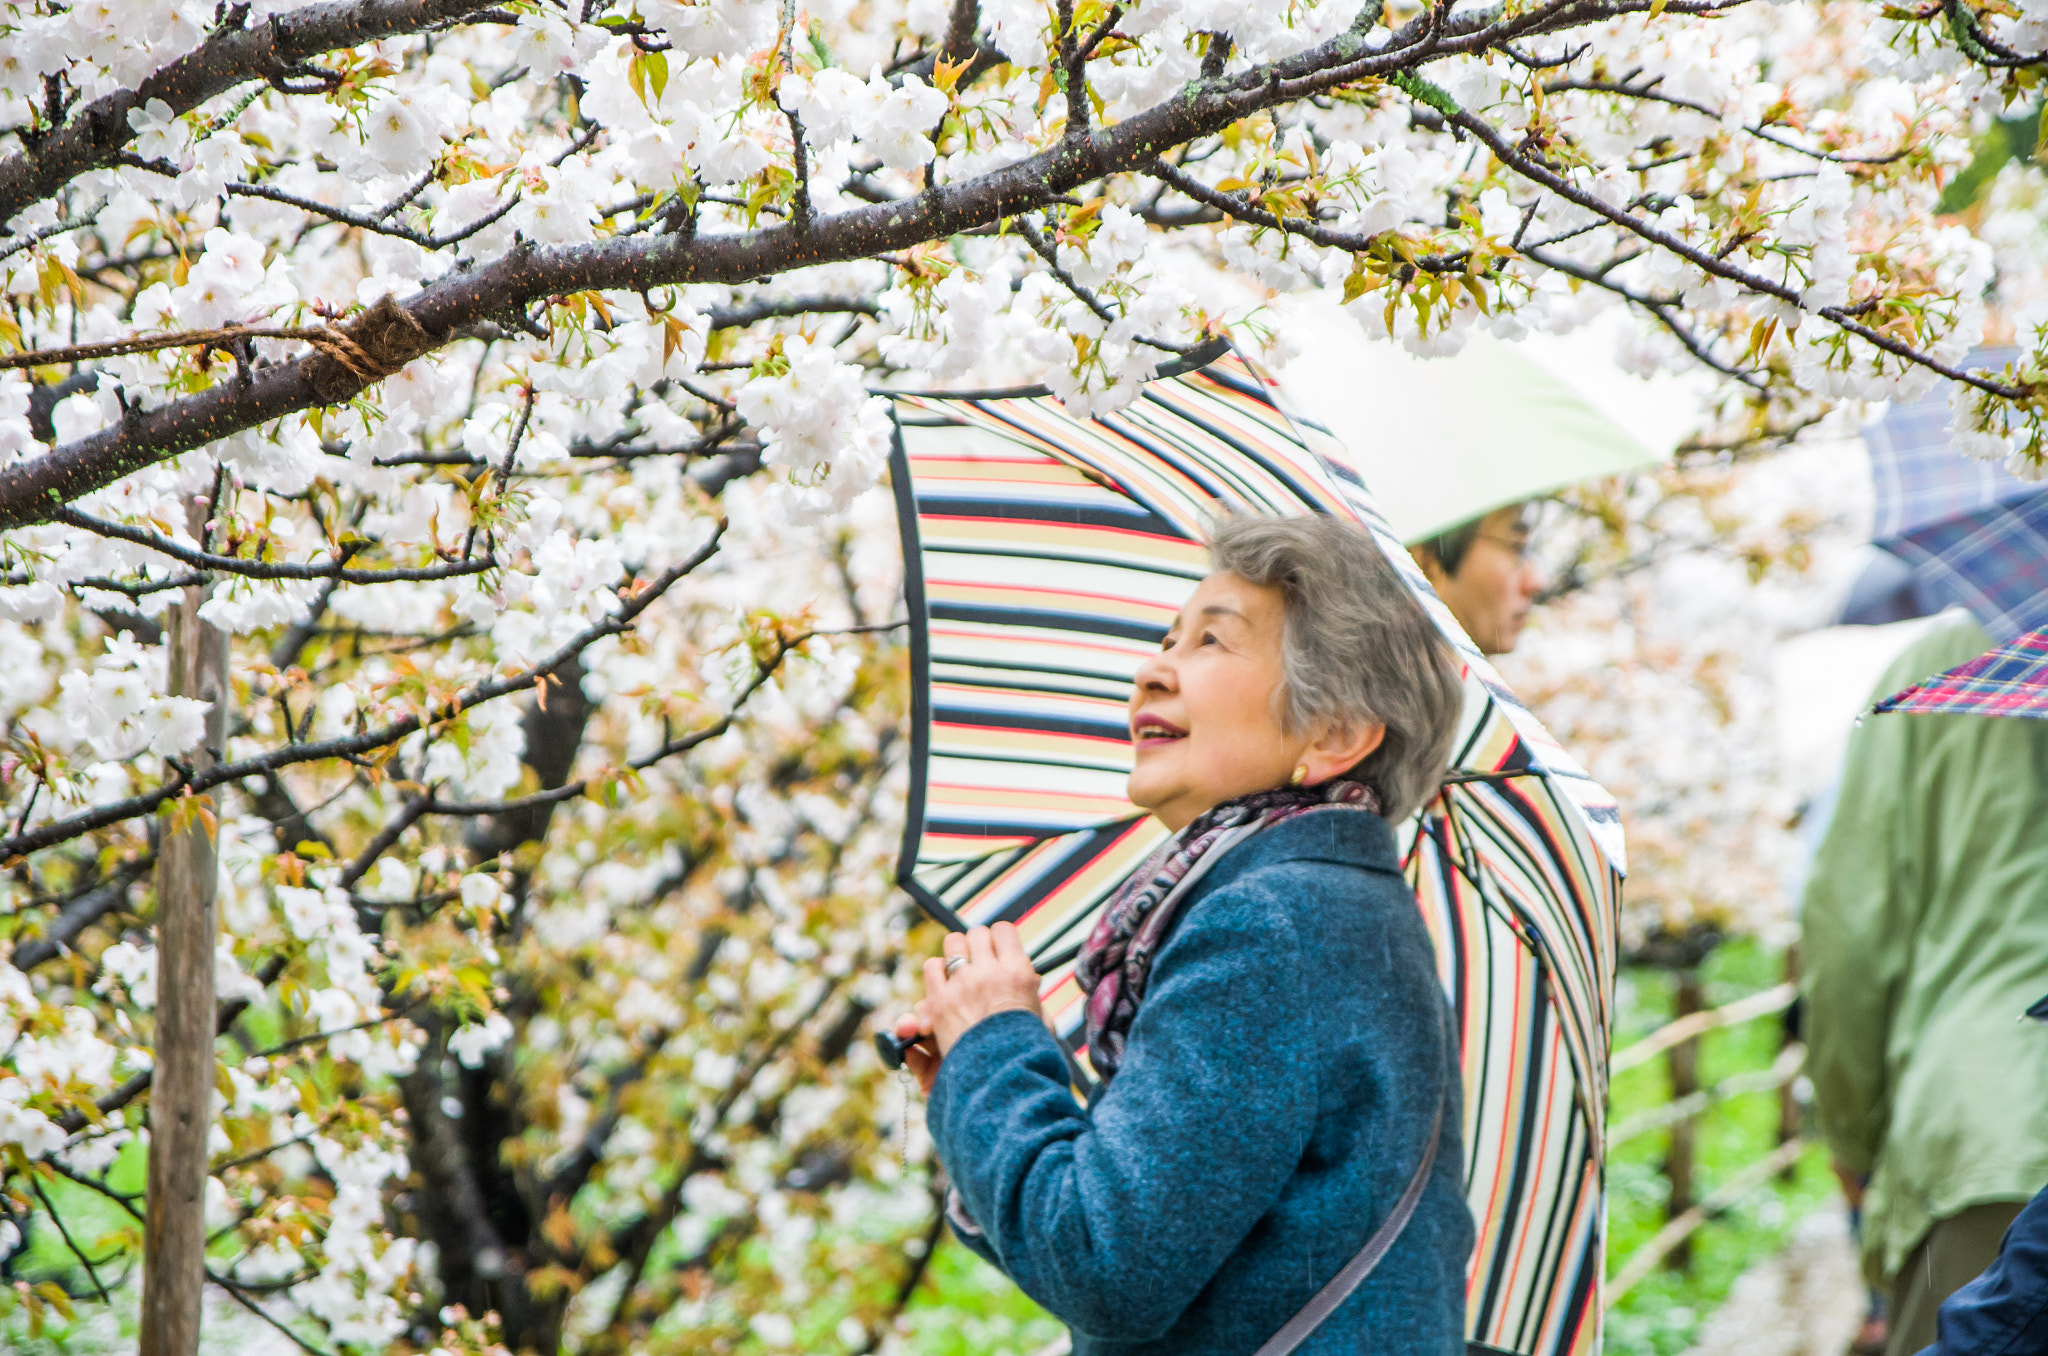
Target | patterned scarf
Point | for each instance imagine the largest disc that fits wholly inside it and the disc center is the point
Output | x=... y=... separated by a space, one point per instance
x=1116 y=963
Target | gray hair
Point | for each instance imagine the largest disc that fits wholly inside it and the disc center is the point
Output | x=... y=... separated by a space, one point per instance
x=1356 y=647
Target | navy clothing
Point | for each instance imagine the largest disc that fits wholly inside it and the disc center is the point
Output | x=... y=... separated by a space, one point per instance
x=1273 y=1103
x=2004 y=1312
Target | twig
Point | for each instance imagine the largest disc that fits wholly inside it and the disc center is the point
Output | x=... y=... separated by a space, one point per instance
x=1044 y=250
x=65 y=1234
x=182 y=779
x=151 y=343
x=235 y=1293
x=668 y=748
x=1549 y=178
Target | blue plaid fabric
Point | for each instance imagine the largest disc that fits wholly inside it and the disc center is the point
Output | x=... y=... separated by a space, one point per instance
x=1919 y=478
x=1974 y=535
x=1993 y=562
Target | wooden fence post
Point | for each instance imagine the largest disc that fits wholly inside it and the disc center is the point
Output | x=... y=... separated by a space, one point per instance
x=1679 y=1161
x=1790 y=1121
x=181 y=1090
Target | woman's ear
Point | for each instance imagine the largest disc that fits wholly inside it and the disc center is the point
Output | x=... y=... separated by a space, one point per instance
x=1338 y=749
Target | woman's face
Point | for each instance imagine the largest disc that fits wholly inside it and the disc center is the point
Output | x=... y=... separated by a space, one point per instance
x=1205 y=712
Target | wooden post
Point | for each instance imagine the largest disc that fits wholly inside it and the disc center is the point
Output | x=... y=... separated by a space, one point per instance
x=181 y=1090
x=1679 y=1161
x=1790 y=1124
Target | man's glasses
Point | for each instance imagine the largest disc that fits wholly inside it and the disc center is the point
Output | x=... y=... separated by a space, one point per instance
x=1518 y=546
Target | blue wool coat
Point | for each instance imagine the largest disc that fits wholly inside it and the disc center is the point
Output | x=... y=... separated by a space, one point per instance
x=1273 y=1103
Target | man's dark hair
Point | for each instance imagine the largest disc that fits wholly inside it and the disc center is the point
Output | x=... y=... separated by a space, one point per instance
x=1449 y=546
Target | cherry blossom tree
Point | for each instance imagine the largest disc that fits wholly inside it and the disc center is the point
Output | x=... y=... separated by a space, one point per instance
x=500 y=380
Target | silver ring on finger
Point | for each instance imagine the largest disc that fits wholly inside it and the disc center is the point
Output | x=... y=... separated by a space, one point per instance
x=954 y=964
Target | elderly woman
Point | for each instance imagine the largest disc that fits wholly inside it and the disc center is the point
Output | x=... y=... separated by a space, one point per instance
x=1279 y=1074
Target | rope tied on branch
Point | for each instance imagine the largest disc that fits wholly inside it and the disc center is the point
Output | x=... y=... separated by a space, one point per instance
x=375 y=345
x=372 y=346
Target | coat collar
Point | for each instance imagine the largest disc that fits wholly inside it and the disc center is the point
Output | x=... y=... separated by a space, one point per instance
x=1343 y=836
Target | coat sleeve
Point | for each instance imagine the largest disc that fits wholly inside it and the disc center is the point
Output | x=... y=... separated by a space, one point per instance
x=1115 y=1217
x=1856 y=927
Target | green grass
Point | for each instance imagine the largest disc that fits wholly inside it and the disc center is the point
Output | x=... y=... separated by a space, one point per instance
x=966 y=1308
x=1662 y=1314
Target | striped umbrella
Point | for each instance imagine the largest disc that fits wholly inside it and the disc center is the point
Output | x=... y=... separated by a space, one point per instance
x=1045 y=558
x=2011 y=680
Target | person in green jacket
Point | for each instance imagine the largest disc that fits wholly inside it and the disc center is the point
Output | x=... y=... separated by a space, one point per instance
x=1925 y=939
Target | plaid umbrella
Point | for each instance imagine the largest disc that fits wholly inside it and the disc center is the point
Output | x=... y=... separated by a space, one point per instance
x=1974 y=535
x=1045 y=557
x=2011 y=680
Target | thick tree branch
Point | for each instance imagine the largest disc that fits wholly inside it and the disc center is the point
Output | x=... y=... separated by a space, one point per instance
x=96 y=134
x=30 y=491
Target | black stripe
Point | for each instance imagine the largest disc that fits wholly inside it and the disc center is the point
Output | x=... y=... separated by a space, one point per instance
x=1056 y=874
x=966 y=756
x=1049 y=620
x=920 y=687
x=1049 y=689
x=1518 y=1184
x=983 y=828
x=980 y=719
x=1133 y=519
x=1097 y=560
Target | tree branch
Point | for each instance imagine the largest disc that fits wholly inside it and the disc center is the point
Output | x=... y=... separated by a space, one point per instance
x=57 y=831
x=95 y=135
x=80 y=914
x=1542 y=174
x=336 y=570
x=30 y=490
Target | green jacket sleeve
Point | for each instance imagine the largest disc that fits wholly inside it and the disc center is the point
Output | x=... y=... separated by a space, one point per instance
x=1856 y=940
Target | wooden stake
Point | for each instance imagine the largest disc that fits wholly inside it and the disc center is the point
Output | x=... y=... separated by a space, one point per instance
x=181 y=1092
x=1790 y=1125
x=1678 y=1162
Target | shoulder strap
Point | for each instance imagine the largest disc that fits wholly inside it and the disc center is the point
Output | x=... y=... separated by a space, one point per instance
x=1358 y=1268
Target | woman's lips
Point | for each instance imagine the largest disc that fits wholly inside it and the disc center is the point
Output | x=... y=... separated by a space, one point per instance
x=1153 y=730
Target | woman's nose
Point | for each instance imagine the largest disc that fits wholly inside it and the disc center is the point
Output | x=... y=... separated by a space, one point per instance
x=1533 y=579
x=1155 y=674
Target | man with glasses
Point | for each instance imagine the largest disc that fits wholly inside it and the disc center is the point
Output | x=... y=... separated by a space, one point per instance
x=1482 y=571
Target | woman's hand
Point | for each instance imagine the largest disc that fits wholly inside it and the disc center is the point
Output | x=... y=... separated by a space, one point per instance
x=996 y=977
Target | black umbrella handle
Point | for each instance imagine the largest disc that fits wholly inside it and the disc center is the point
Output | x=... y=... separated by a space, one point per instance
x=891 y=1047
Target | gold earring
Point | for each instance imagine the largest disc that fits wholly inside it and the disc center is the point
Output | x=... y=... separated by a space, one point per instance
x=1300 y=774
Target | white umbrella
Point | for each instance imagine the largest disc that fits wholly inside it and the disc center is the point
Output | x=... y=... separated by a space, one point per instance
x=1440 y=441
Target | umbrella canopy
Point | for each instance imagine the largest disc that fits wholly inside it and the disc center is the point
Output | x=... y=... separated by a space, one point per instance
x=1045 y=557
x=1973 y=534
x=2011 y=680
x=1443 y=440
